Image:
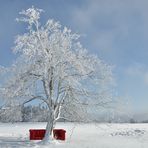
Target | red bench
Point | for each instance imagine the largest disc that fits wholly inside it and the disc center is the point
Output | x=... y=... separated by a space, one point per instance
x=38 y=134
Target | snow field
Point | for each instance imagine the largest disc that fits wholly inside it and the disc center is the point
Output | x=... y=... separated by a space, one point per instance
x=16 y=135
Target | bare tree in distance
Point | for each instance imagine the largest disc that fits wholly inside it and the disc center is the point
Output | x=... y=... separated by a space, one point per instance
x=53 y=67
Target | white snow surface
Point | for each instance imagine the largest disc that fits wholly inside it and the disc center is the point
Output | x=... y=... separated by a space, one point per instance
x=16 y=135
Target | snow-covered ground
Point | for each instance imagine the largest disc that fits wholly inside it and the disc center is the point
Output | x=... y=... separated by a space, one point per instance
x=78 y=135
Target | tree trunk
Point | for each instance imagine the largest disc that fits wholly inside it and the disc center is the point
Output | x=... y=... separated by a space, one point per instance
x=49 y=128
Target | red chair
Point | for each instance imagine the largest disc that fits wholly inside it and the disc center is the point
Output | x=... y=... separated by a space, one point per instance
x=37 y=134
x=59 y=134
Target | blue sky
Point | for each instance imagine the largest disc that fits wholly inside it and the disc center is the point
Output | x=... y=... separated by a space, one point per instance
x=115 y=30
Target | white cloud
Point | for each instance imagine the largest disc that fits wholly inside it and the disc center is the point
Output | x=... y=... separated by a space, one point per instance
x=146 y=78
x=107 y=21
x=135 y=69
x=138 y=71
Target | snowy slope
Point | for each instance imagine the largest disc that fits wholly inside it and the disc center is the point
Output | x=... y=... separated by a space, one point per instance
x=78 y=135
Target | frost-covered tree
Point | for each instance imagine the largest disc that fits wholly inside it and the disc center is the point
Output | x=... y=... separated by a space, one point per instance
x=53 y=67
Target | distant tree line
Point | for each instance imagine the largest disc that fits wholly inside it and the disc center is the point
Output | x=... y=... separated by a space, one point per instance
x=31 y=113
x=24 y=114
